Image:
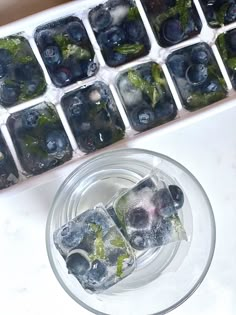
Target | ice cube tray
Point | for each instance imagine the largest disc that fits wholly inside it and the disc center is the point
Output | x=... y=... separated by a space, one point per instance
x=108 y=75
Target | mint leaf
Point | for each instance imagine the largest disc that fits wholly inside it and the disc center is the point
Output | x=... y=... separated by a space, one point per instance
x=13 y=45
x=158 y=75
x=222 y=47
x=120 y=261
x=183 y=6
x=99 y=244
x=202 y=99
x=133 y=14
x=74 y=50
x=33 y=146
x=144 y=86
x=62 y=41
x=214 y=72
x=129 y=49
x=118 y=242
x=220 y=14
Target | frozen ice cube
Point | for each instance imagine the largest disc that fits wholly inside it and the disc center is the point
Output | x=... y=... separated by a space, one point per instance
x=146 y=96
x=21 y=76
x=148 y=213
x=93 y=116
x=66 y=51
x=39 y=138
x=8 y=172
x=94 y=249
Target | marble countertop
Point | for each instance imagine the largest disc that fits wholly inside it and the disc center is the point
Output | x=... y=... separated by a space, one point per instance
x=206 y=147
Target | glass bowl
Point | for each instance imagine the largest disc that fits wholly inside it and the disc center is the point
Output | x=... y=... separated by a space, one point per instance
x=166 y=276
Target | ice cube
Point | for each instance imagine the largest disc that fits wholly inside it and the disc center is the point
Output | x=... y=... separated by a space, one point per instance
x=120 y=32
x=93 y=116
x=39 y=138
x=94 y=249
x=8 y=172
x=148 y=213
x=66 y=51
x=21 y=76
x=146 y=96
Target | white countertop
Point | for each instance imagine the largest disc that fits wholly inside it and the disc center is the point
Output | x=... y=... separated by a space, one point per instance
x=207 y=148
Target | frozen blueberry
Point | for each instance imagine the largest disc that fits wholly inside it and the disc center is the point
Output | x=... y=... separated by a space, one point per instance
x=138 y=218
x=5 y=56
x=200 y=55
x=99 y=219
x=115 y=59
x=44 y=38
x=52 y=55
x=100 y=19
x=71 y=235
x=97 y=272
x=30 y=118
x=3 y=70
x=142 y=118
x=62 y=77
x=113 y=37
x=231 y=13
x=77 y=263
x=87 y=142
x=76 y=31
x=196 y=74
x=177 y=195
x=163 y=203
x=165 y=111
x=56 y=141
x=24 y=72
x=135 y=30
x=162 y=232
x=140 y=240
x=172 y=31
x=9 y=94
x=178 y=65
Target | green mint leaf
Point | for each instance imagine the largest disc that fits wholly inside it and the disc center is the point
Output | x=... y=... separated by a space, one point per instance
x=62 y=41
x=172 y=11
x=25 y=59
x=157 y=75
x=119 y=266
x=129 y=49
x=133 y=14
x=118 y=242
x=33 y=146
x=231 y=63
x=13 y=45
x=99 y=244
x=183 y=6
x=222 y=47
x=144 y=86
x=202 y=99
x=25 y=95
x=220 y=14
x=74 y=50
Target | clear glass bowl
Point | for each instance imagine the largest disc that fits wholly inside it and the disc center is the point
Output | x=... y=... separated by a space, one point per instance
x=165 y=277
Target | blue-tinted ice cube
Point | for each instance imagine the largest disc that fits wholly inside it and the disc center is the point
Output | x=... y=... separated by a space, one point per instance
x=94 y=249
x=148 y=213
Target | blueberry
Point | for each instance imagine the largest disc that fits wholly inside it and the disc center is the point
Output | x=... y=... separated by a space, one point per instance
x=231 y=40
x=114 y=59
x=62 y=77
x=98 y=218
x=9 y=94
x=76 y=31
x=3 y=70
x=171 y=30
x=163 y=203
x=100 y=19
x=165 y=111
x=231 y=13
x=77 y=263
x=103 y=137
x=138 y=217
x=134 y=30
x=44 y=38
x=97 y=272
x=113 y=37
x=24 y=72
x=70 y=235
x=162 y=232
x=142 y=118
x=56 y=141
x=5 y=56
x=178 y=65
x=140 y=240
x=200 y=55
x=177 y=195
x=196 y=74
x=86 y=141
x=30 y=118
x=52 y=55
